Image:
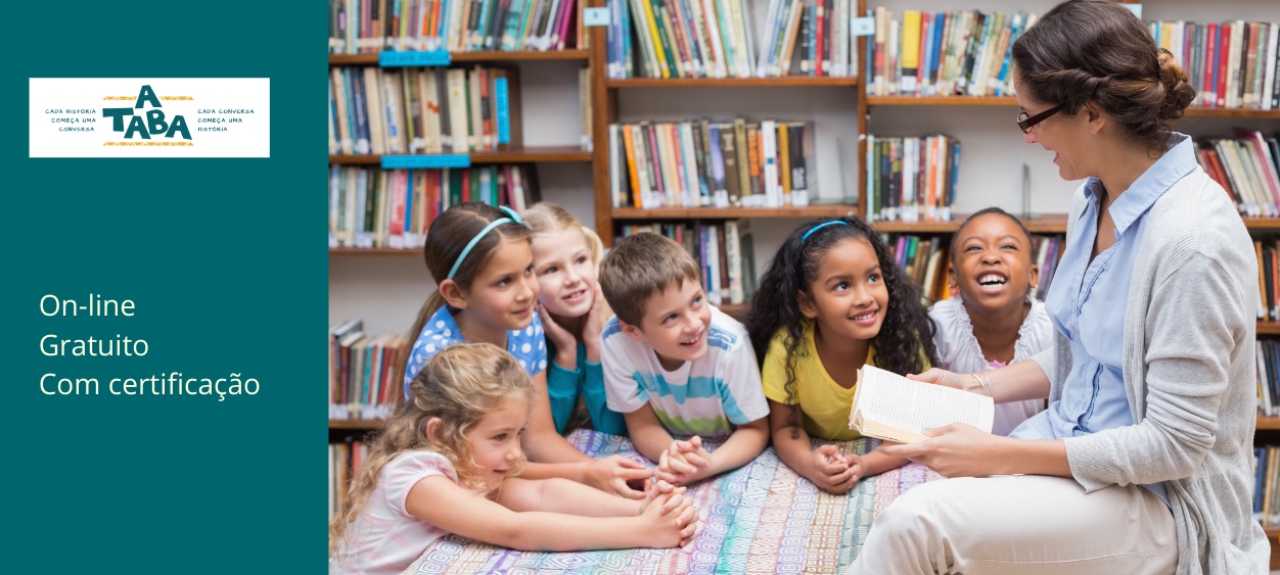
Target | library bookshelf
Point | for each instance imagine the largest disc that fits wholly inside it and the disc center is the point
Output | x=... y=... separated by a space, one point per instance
x=484 y=57
x=1009 y=101
x=604 y=102
x=517 y=155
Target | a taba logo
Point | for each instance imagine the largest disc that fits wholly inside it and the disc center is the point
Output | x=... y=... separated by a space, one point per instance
x=154 y=125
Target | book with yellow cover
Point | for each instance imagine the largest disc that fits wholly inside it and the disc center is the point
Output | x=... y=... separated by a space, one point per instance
x=910 y=50
x=894 y=408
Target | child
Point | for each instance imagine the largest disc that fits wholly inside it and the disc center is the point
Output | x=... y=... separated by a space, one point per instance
x=448 y=462
x=482 y=262
x=675 y=365
x=994 y=320
x=565 y=256
x=832 y=301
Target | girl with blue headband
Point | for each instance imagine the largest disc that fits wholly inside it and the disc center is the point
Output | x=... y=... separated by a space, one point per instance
x=482 y=262
x=832 y=301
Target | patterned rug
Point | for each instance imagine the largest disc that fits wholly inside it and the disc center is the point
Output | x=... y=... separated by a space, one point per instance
x=761 y=518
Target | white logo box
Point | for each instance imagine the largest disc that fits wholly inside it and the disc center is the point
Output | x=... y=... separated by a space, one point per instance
x=224 y=117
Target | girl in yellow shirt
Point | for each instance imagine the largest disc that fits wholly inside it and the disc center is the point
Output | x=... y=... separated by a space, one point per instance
x=832 y=301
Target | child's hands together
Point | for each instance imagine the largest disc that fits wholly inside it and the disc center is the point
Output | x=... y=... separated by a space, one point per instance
x=669 y=518
x=684 y=462
x=611 y=474
x=833 y=472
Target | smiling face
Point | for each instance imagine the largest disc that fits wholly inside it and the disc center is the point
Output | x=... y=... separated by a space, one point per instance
x=675 y=323
x=848 y=297
x=566 y=275
x=495 y=441
x=1063 y=134
x=992 y=263
x=502 y=295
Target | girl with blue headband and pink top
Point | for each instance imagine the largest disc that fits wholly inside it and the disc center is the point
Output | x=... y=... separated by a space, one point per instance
x=482 y=262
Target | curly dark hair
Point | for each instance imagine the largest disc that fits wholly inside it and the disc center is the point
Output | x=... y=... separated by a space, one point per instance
x=906 y=328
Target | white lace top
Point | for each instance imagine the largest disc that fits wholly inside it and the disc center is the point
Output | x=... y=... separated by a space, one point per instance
x=958 y=351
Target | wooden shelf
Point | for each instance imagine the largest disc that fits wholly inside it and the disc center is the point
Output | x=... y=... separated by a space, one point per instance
x=732 y=213
x=1010 y=101
x=533 y=154
x=482 y=56
x=1273 y=531
x=364 y=160
x=525 y=155
x=737 y=310
x=356 y=423
x=941 y=101
x=1233 y=113
x=792 y=81
x=1262 y=223
x=1268 y=327
x=1045 y=224
x=376 y=252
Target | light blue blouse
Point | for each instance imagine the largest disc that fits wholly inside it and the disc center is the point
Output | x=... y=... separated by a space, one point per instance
x=1087 y=305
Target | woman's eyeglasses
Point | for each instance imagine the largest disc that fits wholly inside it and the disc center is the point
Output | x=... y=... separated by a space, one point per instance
x=1026 y=123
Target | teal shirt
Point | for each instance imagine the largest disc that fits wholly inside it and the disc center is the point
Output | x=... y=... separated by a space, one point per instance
x=586 y=380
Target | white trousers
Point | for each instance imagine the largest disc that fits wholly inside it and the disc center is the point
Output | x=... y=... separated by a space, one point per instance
x=1020 y=524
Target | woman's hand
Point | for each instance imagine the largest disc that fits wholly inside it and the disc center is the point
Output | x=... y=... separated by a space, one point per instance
x=566 y=345
x=611 y=474
x=957 y=450
x=943 y=377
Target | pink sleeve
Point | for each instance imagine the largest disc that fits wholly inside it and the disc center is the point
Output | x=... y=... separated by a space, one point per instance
x=406 y=470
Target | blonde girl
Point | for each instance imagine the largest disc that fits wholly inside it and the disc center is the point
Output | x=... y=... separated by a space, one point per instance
x=480 y=257
x=448 y=462
x=572 y=310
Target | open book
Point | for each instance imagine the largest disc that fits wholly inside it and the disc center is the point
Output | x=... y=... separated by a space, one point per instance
x=892 y=407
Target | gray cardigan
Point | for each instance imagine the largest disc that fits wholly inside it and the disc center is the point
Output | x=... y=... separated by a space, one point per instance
x=1190 y=376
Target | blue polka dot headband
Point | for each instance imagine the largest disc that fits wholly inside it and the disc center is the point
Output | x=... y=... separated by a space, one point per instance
x=512 y=217
x=820 y=226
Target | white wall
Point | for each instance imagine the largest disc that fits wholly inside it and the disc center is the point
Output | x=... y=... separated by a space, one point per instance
x=387 y=291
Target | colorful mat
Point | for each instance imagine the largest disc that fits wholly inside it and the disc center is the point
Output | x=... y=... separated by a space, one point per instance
x=761 y=518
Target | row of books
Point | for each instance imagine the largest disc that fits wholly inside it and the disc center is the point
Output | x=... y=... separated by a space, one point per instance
x=1266 y=495
x=1268 y=253
x=376 y=208
x=1231 y=64
x=1268 y=358
x=912 y=179
x=1248 y=168
x=724 y=250
x=944 y=53
x=765 y=164
x=345 y=459
x=717 y=39
x=362 y=383
x=363 y=26
x=926 y=261
x=421 y=110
